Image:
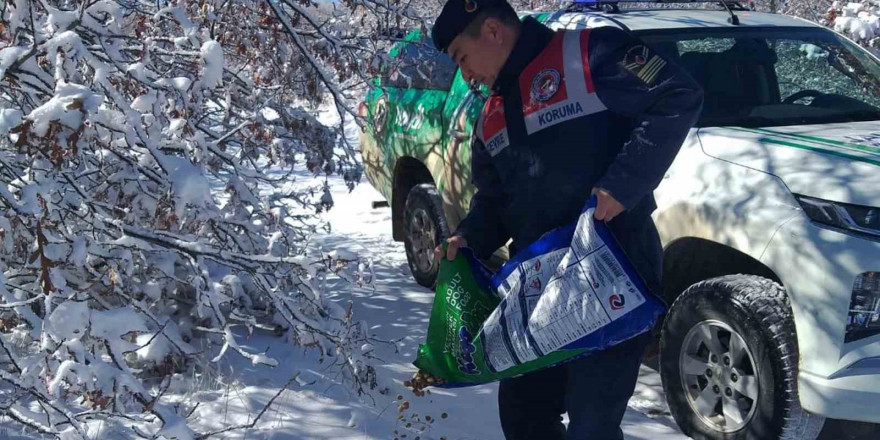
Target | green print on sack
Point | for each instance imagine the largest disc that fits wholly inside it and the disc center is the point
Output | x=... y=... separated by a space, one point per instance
x=452 y=352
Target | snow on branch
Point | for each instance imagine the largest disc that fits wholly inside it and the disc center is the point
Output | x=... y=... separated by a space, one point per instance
x=155 y=202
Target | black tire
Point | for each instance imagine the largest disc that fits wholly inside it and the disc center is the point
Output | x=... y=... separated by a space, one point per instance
x=728 y=313
x=424 y=226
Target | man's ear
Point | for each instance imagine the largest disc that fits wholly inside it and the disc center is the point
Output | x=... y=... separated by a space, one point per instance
x=492 y=30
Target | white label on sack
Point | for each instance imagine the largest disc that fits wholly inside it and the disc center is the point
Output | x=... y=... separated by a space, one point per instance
x=584 y=289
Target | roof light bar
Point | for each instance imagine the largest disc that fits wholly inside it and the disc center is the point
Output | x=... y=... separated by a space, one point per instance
x=612 y=5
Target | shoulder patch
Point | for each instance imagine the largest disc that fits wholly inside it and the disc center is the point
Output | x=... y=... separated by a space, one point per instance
x=643 y=63
x=493 y=126
x=557 y=86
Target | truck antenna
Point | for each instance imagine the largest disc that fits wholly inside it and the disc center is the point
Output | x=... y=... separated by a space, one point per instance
x=734 y=20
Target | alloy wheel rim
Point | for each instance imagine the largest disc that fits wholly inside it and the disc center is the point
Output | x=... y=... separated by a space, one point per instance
x=719 y=376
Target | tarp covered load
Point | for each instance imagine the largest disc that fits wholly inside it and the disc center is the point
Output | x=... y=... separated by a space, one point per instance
x=568 y=294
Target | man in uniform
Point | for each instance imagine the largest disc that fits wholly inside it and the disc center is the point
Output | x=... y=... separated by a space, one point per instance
x=572 y=114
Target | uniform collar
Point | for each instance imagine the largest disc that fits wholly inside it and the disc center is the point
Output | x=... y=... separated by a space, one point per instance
x=533 y=38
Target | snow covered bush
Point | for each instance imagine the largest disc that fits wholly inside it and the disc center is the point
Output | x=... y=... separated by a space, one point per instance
x=147 y=211
x=858 y=21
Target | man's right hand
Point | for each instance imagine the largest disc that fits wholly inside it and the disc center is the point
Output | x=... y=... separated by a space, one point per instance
x=451 y=250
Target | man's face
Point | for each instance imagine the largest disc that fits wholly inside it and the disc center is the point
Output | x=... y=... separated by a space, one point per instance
x=482 y=57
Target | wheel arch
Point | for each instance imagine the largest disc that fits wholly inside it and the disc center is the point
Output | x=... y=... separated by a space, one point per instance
x=689 y=260
x=408 y=172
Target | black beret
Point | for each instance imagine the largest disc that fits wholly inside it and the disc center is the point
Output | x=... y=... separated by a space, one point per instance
x=457 y=15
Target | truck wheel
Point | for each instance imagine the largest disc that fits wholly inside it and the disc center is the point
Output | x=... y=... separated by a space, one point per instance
x=425 y=226
x=729 y=359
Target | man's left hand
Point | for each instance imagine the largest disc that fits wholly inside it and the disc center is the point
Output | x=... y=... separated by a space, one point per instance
x=607 y=207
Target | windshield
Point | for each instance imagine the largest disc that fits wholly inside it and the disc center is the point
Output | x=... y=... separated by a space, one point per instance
x=773 y=77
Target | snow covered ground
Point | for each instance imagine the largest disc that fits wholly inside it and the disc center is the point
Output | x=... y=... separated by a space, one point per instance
x=319 y=406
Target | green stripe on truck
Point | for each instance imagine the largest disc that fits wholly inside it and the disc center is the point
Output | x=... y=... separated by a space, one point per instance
x=851 y=145
x=819 y=150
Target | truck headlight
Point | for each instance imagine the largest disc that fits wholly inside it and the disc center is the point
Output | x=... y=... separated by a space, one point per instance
x=864 y=308
x=854 y=218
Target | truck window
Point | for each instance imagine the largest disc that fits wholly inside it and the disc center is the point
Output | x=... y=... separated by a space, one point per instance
x=766 y=77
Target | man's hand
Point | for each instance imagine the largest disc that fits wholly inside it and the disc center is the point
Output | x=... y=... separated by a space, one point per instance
x=452 y=250
x=607 y=207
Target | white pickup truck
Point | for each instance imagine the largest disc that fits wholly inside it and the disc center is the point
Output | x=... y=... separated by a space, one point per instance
x=770 y=219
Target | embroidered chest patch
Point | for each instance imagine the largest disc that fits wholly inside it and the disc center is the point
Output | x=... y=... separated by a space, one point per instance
x=545 y=85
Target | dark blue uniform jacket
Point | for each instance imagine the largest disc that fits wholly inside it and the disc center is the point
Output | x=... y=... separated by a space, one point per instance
x=540 y=181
